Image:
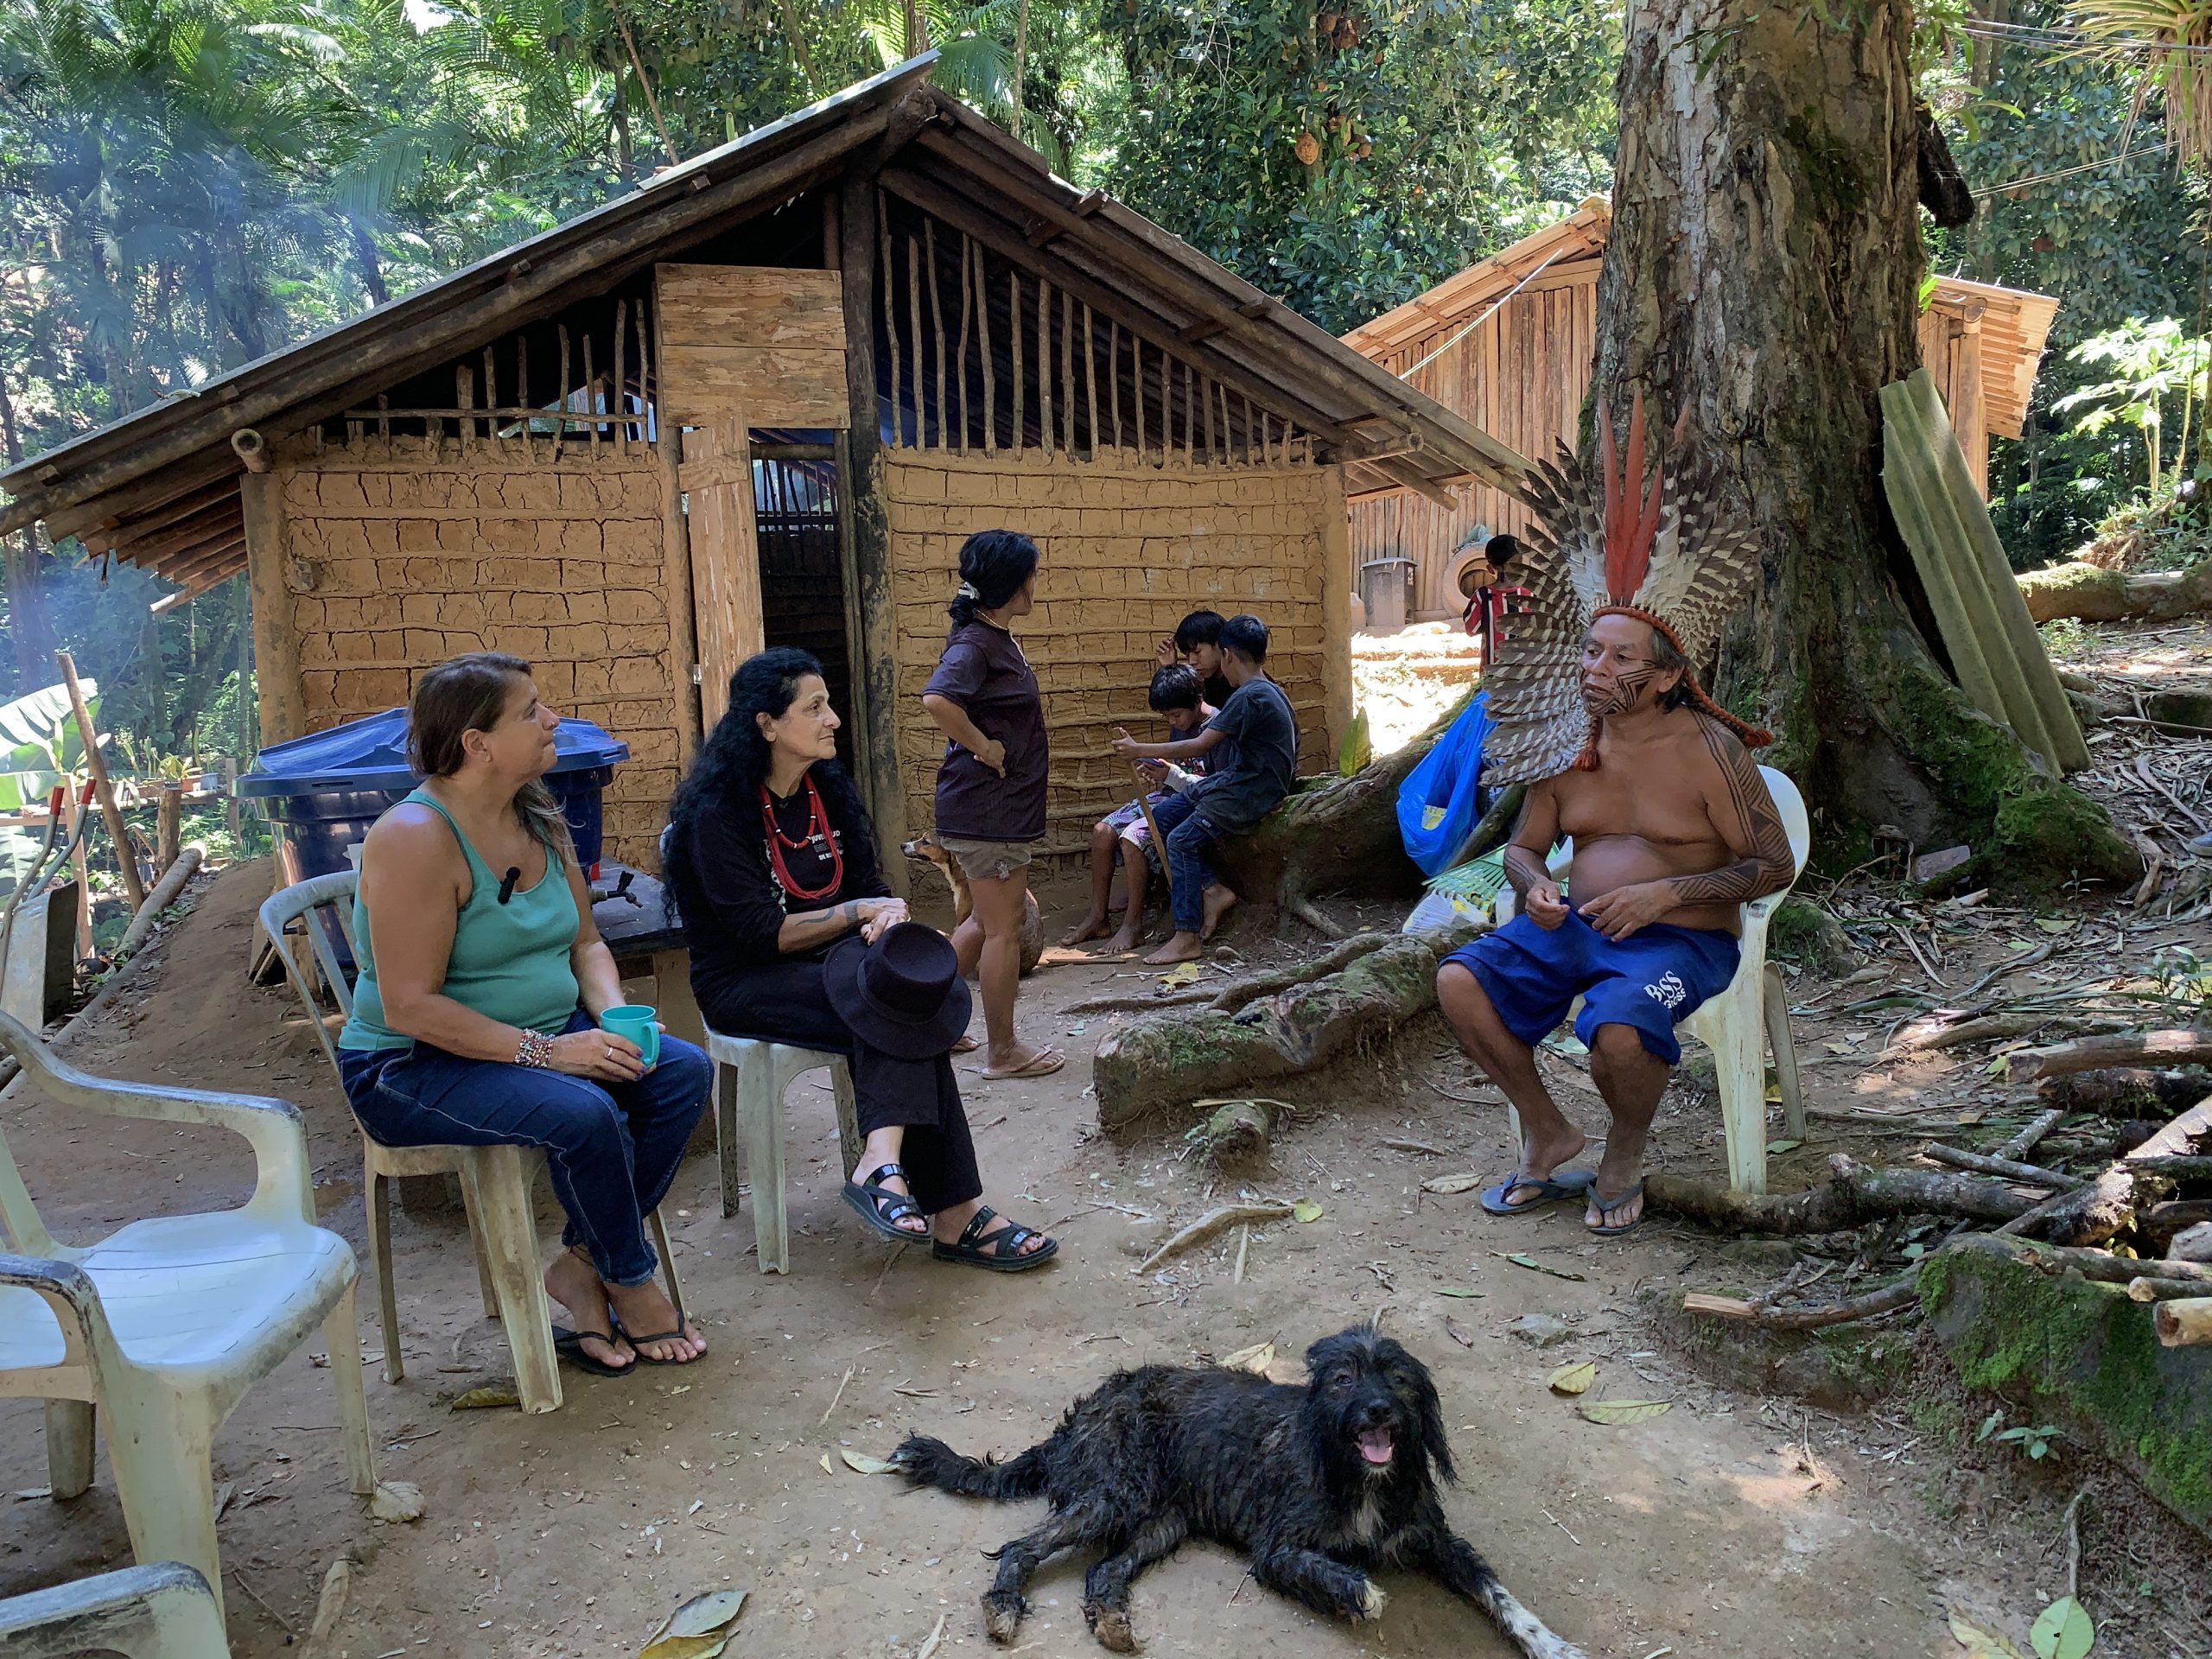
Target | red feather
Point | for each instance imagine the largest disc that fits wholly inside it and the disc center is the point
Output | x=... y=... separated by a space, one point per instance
x=1628 y=543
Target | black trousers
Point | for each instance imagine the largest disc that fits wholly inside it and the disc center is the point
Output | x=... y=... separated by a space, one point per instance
x=787 y=1003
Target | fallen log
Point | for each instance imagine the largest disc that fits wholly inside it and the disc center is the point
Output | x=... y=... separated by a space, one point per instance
x=1243 y=992
x=1856 y=1194
x=2143 y=1288
x=1958 y=1158
x=1904 y=1294
x=2126 y=1092
x=2178 y=1167
x=2096 y=595
x=2179 y=1047
x=1988 y=1028
x=1161 y=1062
x=2103 y=1209
x=2185 y=1323
x=2109 y=1269
x=2027 y=1140
x=2162 y=1221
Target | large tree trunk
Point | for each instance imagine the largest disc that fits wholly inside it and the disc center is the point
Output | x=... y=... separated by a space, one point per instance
x=1763 y=268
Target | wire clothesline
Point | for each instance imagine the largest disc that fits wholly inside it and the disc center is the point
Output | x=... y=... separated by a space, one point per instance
x=2070 y=41
x=2066 y=172
x=1407 y=374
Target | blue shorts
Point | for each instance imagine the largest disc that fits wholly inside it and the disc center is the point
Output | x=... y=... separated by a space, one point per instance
x=1653 y=979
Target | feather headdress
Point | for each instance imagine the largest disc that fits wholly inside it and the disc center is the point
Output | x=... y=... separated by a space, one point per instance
x=1607 y=543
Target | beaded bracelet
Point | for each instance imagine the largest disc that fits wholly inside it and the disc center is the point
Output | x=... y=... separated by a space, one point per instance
x=536 y=1049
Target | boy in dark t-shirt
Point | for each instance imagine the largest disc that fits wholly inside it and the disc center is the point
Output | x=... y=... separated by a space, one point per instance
x=1257 y=726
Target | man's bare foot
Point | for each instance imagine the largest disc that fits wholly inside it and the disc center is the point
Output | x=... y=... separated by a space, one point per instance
x=649 y=1320
x=909 y=1221
x=1219 y=901
x=574 y=1282
x=1182 y=947
x=1127 y=938
x=1539 y=1161
x=1095 y=926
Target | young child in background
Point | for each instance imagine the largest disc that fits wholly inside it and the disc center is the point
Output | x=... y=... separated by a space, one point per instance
x=1258 y=730
x=1197 y=640
x=1177 y=697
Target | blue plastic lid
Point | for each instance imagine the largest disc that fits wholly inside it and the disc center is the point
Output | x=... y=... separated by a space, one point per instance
x=370 y=753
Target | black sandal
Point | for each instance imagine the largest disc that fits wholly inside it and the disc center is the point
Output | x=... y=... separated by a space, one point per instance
x=570 y=1345
x=882 y=1208
x=1002 y=1251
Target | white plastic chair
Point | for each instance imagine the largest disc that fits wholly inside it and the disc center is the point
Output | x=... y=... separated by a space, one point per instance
x=751 y=1076
x=164 y=1325
x=162 y=1612
x=1740 y=1023
x=495 y=1181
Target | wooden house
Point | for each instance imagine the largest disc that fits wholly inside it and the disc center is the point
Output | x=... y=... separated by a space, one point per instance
x=764 y=397
x=1508 y=343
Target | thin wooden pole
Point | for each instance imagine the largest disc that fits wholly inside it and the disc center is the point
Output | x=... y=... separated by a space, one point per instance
x=83 y=858
x=914 y=310
x=591 y=395
x=1067 y=372
x=1090 y=376
x=1205 y=390
x=96 y=764
x=1248 y=431
x=561 y=427
x=1190 y=417
x=522 y=395
x=1045 y=363
x=1151 y=828
x=1167 y=408
x=936 y=323
x=491 y=394
x=464 y=398
x=888 y=284
x=1136 y=382
x=645 y=360
x=1114 y=376
x=1014 y=318
x=622 y=399
x=983 y=351
x=966 y=288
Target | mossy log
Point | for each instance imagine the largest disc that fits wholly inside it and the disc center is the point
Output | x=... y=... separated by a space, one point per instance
x=2126 y=1092
x=2095 y=594
x=1161 y=1064
x=1856 y=1194
x=1332 y=836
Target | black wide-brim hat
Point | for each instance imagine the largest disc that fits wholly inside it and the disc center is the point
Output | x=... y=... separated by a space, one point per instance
x=903 y=995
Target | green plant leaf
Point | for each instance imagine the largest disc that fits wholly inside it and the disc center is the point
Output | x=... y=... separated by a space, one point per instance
x=1574 y=1378
x=2063 y=1630
x=1306 y=1210
x=700 y=1629
x=1783 y=1145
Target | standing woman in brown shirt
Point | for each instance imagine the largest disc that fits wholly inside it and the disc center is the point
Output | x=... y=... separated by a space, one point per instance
x=990 y=786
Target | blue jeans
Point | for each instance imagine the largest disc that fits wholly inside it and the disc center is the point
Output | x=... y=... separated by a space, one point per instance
x=612 y=1149
x=1189 y=870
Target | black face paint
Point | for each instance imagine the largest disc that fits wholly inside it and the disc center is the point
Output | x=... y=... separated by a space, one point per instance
x=1626 y=691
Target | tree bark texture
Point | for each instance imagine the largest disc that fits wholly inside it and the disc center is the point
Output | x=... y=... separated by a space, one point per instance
x=1763 y=270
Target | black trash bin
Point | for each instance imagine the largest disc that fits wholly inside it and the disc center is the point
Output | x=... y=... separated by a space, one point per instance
x=323 y=793
x=1386 y=586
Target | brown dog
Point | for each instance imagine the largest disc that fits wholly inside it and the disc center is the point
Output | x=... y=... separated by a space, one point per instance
x=925 y=847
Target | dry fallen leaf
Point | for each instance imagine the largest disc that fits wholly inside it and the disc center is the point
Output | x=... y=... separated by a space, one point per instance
x=1575 y=1378
x=863 y=1464
x=827 y=1467
x=935 y=1640
x=1255 y=1359
x=1461 y=1291
x=397 y=1500
x=1453 y=1329
x=1176 y=978
x=1448 y=1184
x=700 y=1629
x=1616 y=1412
x=1980 y=1644
x=485 y=1399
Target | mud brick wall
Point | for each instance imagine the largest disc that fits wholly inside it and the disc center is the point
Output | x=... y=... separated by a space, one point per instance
x=1128 y=548
x=401 y=555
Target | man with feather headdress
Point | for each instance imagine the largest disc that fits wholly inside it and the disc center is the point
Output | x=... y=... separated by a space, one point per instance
x=1599 y=712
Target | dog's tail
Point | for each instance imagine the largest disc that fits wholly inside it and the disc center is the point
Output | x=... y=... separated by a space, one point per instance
x=927 y=1462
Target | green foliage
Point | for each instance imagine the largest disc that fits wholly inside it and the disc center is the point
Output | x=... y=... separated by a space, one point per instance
x=2152 y=364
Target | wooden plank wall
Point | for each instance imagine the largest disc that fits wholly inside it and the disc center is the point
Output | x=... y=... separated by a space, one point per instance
x=1129 y=546
x=1520 y=377
x=1950 y=345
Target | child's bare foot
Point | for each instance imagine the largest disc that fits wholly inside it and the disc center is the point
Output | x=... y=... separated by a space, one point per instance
x=1183 y=947
x=1219 y=901
x=1125 y=938
x=1093 y=927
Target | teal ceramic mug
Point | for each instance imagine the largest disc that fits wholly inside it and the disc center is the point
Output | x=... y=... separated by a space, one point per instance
x=641 y=1024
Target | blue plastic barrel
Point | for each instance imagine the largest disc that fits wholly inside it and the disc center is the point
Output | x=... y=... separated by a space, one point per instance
x=323 y=793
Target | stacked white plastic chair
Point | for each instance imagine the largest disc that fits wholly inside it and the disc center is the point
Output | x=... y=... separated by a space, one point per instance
x=750 y=1078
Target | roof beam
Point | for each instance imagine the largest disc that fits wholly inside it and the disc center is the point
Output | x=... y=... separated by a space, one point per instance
x=100 y=538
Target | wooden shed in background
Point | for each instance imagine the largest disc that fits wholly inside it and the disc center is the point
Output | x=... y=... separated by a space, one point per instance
x=1508 y=343
x=764 y=398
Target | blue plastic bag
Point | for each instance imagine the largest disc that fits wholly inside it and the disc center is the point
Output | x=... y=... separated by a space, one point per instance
x=1437 y=803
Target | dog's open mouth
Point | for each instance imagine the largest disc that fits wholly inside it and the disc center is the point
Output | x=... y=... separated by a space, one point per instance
x=1376 y=1445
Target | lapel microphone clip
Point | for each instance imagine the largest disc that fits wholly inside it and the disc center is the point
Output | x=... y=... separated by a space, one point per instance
x=507 y=886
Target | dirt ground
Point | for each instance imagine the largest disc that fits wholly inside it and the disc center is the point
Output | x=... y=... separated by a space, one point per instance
x=1733 y=1525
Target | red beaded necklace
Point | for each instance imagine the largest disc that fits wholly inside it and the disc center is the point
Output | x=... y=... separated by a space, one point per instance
x=817 y=829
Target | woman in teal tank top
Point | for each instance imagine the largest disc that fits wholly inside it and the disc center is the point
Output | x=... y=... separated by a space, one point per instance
x=476 y=1014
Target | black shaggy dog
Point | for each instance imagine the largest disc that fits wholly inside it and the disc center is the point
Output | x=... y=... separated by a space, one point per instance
x=1319 y=1485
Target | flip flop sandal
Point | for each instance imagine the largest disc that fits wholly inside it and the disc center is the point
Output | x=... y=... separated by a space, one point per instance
x=645 y=1358
x=1042 y=1064
x=1499 y=1200
x=1607 y=1206
x=965 y=1044
x=570 y=1345
x=881 y=1208
x=1002 y=1252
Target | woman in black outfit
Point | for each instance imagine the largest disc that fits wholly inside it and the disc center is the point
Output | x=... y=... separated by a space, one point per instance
x=795 y=938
